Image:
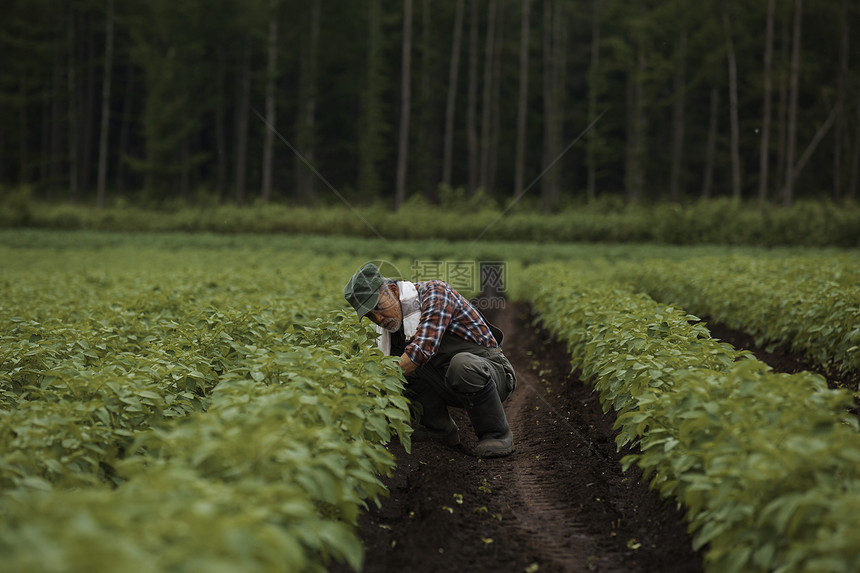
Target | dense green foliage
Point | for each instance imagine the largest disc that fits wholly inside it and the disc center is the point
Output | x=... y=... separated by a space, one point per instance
x=188 y=76
x=811 y=304
x=765 y=465
x=716 y=222
x=186 y=409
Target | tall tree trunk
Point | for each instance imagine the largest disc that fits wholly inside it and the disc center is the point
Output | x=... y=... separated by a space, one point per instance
x=495 y=107
x=88 y=104
x=185 y=174
x=634 y=178
x=244 y=99
x=72 y=92
x=785 y=47
x=405 y=105
x=3 y=157
x=855 y=162
x=472 y=103
x=3 y=170
x=678 y=117
x=370 y=149
x=45 y=141
x=733 y=108
x=220 y=130
x=57 y=97
x=23 y=153
x=271 y=120
x=593 y=95
x=124 y=129
x=562 y=21
x=450 y=101
x=522 y=98
x=788 y=190
x=52 y=110
x=105 y=126
x=711 y=146
x=486 y=103
x=427 y=132
x=764 y=152
x=306 y=128
x=840 y=106
x=548 y=88
x=555 y=30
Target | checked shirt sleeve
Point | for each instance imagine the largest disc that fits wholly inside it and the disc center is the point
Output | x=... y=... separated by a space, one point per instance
x=444 y=309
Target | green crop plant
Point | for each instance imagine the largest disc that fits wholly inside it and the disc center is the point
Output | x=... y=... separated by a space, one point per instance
x=810 y=303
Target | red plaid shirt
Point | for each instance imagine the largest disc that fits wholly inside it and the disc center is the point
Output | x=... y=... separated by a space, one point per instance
x=445 y=310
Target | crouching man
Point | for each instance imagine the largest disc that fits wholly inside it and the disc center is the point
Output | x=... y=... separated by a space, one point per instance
x=450 y=355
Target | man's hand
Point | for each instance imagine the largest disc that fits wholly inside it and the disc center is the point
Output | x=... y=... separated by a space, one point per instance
x=406 y=364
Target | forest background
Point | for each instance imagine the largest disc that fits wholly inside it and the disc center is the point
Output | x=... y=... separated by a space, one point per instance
x=256 y=101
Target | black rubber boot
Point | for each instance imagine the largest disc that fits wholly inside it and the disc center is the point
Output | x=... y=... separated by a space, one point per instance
x=436 y=422
x=491 y=426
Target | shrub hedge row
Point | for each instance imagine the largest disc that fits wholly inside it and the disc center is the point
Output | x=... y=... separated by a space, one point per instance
x=719 y=221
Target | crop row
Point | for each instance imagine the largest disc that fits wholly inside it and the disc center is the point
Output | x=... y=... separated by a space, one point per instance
x=89 y=360
x=199 y=412
x=270 y=478
x=766 y=465
x=811 y=304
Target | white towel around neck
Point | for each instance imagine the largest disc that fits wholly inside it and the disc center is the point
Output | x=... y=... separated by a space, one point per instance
x=411 y=316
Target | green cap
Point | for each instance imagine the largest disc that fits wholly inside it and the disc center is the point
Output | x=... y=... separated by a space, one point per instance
x=362 y=290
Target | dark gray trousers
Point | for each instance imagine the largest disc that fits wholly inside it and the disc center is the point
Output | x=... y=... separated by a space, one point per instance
x=459 y=368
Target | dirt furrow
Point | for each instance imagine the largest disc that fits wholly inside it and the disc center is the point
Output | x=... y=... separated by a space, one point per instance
x=560 y=503
x=543 y=507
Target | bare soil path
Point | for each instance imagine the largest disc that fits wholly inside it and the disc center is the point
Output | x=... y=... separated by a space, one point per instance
x=560 y=503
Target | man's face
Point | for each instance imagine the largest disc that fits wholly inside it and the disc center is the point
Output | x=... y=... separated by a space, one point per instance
x=387 y=312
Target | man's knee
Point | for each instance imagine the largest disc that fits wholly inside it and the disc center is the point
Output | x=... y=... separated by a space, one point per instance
x=467 y=373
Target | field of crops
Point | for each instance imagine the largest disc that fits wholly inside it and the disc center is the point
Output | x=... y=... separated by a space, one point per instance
x=196 y=402
x=766 y=465
x=170 y=408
